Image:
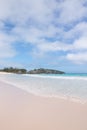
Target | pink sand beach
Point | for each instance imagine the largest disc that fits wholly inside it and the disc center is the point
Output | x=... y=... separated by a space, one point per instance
x=20 y=110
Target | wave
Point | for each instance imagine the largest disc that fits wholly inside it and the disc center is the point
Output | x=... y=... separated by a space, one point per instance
x=70 y=88
x=56 y=77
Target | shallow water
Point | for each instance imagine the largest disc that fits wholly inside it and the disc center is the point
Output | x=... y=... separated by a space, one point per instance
x=65 y=86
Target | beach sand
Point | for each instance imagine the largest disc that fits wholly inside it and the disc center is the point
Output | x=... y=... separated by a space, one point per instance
x=20 y=110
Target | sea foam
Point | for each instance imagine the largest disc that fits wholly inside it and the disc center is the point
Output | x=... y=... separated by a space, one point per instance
x=72 y=88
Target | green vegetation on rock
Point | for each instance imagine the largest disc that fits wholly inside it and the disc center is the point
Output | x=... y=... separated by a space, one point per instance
x=45 y=71
x=14 y=70
x=35 y=71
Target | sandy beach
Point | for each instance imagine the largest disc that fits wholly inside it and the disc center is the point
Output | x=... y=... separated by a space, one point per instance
x=20 y=110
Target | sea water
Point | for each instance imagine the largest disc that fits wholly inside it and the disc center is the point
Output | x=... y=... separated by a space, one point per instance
x=67 y=86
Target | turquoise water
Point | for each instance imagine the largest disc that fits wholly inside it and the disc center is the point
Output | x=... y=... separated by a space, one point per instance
x=64 y=86
x=67 y=74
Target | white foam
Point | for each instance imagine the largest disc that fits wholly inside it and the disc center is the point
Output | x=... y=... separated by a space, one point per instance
x=48 y=88
x=56 y=77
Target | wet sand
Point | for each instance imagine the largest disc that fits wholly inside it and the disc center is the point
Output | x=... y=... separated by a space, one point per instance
x=20 y=110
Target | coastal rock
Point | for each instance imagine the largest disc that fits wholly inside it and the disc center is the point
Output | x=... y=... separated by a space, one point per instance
x=45 y=71
x=14 y=70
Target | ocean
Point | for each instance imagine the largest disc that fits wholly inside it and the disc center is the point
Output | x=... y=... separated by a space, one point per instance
x=68 y=86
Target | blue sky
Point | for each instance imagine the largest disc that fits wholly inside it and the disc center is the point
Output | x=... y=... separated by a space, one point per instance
x=44 y=33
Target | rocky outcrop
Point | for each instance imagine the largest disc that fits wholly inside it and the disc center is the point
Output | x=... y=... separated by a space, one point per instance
x=14 y=70
x=35 y=71
x=45 y=71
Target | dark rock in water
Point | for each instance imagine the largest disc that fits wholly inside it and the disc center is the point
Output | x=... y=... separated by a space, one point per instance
x=45 y=71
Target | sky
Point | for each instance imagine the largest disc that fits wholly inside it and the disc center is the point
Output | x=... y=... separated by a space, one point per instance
x=44 y=34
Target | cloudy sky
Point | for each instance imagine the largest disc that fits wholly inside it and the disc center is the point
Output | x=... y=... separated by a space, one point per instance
x=44 y=33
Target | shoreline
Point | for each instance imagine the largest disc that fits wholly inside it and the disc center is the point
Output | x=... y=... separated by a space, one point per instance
x=59 y=76
x=60 y=97
x=20 y=110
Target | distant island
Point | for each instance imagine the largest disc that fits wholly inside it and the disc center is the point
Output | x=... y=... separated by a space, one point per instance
x=34 y=71
x=45 y=71
x=14 y=70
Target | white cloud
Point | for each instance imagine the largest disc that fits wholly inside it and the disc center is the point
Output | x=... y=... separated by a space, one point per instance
x=79 y=50
x=6 y=46
x=53 y=46
x=72 y=10
x=42 y=24
x=78 y=58
x=80 y=44
x=6 y=50
x=79 y=30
